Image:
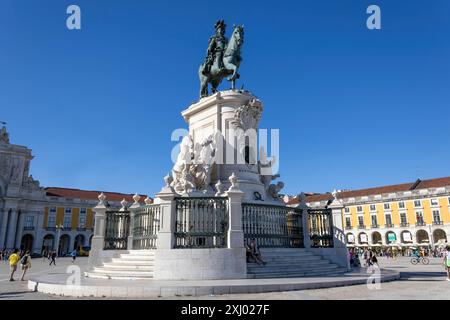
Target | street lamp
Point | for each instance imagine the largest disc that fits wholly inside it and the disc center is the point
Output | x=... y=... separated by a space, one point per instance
x=58 y=228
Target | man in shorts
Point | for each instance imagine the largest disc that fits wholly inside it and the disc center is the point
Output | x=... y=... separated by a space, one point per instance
x=13 y=261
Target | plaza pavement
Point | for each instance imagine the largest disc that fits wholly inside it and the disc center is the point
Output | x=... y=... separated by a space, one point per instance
x=417 y=282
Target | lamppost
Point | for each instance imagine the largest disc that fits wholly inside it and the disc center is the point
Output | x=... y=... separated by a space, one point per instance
x=58 y=235
x=431 y=238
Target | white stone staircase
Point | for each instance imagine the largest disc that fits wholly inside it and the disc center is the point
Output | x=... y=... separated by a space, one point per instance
x=133 y=264
x=289 y=263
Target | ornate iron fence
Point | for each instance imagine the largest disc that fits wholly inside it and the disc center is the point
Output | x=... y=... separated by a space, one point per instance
x=145 y=227
x=273 y=226
x=320 y=225
x=201 y=222
x=117 y=229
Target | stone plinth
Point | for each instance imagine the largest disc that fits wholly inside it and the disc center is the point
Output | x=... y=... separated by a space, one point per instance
x=218 y=115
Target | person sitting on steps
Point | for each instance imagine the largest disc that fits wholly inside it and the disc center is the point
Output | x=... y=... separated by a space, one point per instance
x=253 y=253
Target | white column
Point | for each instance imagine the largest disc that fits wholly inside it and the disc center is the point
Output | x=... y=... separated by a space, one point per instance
x=11 y=236
x=39 y=227
x=134 y=207
x=235 y=232
x=166 y=200
x=4 y=216
x=98 y=240
x=21 y=218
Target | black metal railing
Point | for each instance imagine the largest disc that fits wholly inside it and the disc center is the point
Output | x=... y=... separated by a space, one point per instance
x=362 y=226
x=375 y=225
x=348 y=227
x=201 y=222
x=117 y=229
x=420 y=224
x=28 y=228
x=320 y=224
x=273 y=226
x=389 y=225
x=438 y=223
x=404 y=224
x=145 y=227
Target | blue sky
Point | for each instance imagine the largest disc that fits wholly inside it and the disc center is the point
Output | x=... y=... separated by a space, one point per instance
x=355 y=107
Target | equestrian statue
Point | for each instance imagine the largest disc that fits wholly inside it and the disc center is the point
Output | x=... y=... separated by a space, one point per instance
x=223 y=58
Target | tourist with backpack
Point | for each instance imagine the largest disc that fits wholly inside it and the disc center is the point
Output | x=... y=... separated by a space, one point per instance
x=25 y=263
x=73 y=254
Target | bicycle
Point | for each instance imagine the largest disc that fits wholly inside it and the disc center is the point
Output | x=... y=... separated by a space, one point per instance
x=423 y=260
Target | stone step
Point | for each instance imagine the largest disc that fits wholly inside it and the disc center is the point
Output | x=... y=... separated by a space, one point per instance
x=106 y=275
x=140 y=252
x=122 y=262
x=129 y=273
x=291 y=270
x=335 y=272
x=135 y=258
x=288 y=266
x=113 y=266
x=299 y=259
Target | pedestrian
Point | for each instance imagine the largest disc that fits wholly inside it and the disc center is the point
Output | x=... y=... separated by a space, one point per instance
x=447 y=262
x=53 y=257
x=374 y=260
x=73 y=254
x=44 y=255
x=13 y=261
x=25 y=263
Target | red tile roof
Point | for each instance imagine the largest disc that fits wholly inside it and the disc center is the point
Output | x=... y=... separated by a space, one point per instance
x=416 y=185
x=90 y=195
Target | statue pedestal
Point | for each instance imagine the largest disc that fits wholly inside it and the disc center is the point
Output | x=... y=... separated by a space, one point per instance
x=221 y=115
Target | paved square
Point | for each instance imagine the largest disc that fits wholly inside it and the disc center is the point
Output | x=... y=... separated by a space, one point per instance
x=417 y=282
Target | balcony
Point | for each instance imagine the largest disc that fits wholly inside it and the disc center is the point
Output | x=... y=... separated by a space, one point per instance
x=361 y=226
x=28 y=228
x=81 y=229
x=50 y=228
x=438 y=223
x=420 y=224
x=389 y=225
x=376 y=225
x=348 y=227
x=404 y=224
x=67 y=228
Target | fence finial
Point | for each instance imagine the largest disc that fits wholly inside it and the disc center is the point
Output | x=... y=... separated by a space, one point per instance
x=218 y=186
x=234 y=181
x=124 y=204
x=148 y=201
x=136 y=198
x=101 y=199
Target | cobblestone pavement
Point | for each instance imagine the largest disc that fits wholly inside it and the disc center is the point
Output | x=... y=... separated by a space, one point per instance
x=417 y=282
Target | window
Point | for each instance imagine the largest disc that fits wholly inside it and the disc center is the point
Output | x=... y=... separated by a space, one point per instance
x=387 y=206
x=372 y=207
x=347 y=210
x=361 y=221
x=403 y=220
x=374 y=220
x=53 y=210
x=434 y=202
x=67 y=221
x=82 y=218
x=401 y=205
x=51 y=221
x=436 y=216
x=359 y=208
x=388 y=219
x=417 y=203
x=68 y=211
x=29 y=221
x=348 y=222
x=419 y=217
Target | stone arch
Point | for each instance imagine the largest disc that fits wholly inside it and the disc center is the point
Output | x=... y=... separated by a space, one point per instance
x=439 y=234
x=363 y=238
x=26 y=243
x=48 y=242
x=406 y=237
x=64 y=243
x=350 y=238
x=391 y=237
x=422 y=236
x=376 y=237
x=79 y=242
